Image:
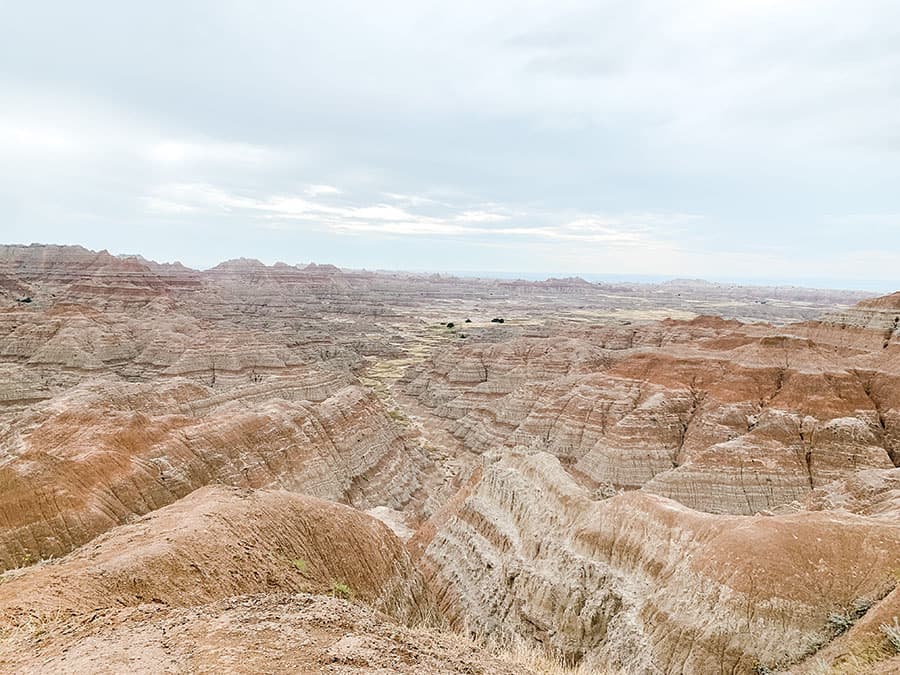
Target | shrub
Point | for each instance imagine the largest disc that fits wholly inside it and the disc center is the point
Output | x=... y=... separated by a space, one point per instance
x=892 y=633
x=300 y=564
x=449 y=324
x=341 y=590
x=840 y=622
x=861 y=606
x=398 y=416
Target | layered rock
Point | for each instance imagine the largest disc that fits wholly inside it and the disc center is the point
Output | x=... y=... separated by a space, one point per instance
x=79 y=274
x=722 y=417
x=280 y=292
x=104 y=452
x=593 y=480
x=880 y=314
x=643 y=583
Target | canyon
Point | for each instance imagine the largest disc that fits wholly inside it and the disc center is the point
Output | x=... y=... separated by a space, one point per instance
x=266 y=468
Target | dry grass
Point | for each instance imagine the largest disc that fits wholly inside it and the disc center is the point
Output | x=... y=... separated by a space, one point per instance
x=523 y=656
x=528 y=657
x=30 y=627
x=892 y=633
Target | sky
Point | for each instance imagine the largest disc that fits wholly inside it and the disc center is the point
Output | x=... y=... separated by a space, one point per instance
x=748 y=139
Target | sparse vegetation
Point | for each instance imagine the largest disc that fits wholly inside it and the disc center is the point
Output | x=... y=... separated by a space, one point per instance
x=820 y=667
x=300 y=564
x=892 y=632
x=25 y=559
x=840 y=622
x=526 y=656
x=339 y=589
x=398 y=416
x=861 y=606
x=529 y=657
x=33 y=625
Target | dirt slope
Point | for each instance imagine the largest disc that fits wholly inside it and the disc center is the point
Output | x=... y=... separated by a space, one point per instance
x=219 y=542
x=269 y=633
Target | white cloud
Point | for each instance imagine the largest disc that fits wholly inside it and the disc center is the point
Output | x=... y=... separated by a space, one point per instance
x=23 y=138
x=165 y=206
x=181 y=151
x=384 y=219
x=412 y=200
x=317 y=190
x=481 y=217
x=570 y=126
x=865 y=220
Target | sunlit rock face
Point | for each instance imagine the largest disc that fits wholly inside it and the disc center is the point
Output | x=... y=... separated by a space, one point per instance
x=642 y=583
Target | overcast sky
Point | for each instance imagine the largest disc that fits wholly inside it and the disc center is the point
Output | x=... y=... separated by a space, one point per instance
x=739 y=139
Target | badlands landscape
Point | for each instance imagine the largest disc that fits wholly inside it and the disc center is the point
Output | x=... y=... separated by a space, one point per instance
x=299 y=468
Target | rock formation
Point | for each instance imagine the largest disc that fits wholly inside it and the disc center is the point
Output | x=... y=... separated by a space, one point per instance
x=271 y=632
x=643 y=583
x=725 y=418
x=662 y=478
x=103 y=453
x=219 y=542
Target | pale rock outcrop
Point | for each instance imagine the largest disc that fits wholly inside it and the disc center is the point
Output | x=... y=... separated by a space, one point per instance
x=643 y=583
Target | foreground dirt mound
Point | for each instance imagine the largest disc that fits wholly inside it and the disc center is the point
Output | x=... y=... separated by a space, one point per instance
x=218 y=542
x=273 y=633
x=641 y=582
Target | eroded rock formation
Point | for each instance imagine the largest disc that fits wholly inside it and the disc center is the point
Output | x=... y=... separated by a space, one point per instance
x=606 y=474
x=643 y=583
x=725 y=418
x=104 y=452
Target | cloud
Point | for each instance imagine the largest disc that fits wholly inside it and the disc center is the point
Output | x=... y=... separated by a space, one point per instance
x=481 y=217
x=316 y=190
x=505 y=221
x=22 y=138
x=704 y=130
x=891 y=220
x=181 y=151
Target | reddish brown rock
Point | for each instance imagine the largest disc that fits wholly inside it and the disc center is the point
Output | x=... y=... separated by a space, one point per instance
x=102 y=454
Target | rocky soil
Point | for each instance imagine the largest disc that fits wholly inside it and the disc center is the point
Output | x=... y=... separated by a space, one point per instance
x=300 y=468
x=264 y=633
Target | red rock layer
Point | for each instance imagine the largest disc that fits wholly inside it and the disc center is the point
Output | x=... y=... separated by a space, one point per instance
x=102 y=453
x=722 y=417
